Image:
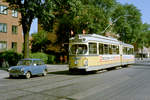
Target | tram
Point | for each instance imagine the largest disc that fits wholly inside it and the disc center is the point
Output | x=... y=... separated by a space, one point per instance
x=92 y=52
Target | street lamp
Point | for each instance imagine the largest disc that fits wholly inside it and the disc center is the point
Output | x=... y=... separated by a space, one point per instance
x=114 y=22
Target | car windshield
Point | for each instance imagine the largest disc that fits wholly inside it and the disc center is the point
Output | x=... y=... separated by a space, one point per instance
x=25 y=62
x=78 y=49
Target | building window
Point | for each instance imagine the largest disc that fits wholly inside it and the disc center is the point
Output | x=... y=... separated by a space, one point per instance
x=14 y=46
x=3 y=45
x=3 y=9
x=14 y=13
x=3 y=27
x=14 y=29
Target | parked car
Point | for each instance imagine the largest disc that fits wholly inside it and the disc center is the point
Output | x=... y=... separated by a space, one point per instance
x=28 y=67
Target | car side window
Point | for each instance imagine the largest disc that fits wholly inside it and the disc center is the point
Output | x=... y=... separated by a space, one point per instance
x=40 y=63
x=35 y=63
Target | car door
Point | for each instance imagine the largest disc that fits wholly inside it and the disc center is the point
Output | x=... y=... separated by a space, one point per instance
x=41 y=67
x=35 y=67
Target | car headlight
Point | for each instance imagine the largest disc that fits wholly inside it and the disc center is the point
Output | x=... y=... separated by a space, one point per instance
x=9 y=69
x=76 y=62
x=22 y=69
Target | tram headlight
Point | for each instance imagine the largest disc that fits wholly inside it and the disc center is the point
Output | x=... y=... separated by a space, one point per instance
x=75 y=62
x=85 y=62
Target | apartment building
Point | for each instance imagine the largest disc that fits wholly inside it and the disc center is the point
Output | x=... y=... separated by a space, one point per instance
x=11 y=36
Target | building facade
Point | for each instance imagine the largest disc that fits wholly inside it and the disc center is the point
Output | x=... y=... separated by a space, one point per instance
x=11 y=37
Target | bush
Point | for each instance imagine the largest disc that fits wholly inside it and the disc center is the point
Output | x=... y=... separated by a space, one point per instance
x=39 y=55
x=10 y=57
x=51 y=59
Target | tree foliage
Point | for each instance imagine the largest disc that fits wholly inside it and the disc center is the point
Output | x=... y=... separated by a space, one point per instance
x=129 y=23
x=93 y=16
x=39 y=41
x=29 y=10
x=65 y=18
x=130 y=28
x=76 y=16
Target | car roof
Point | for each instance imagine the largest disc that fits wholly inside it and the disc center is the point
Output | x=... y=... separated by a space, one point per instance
x=30 y=59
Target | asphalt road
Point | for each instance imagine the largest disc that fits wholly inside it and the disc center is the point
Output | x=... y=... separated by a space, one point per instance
x=131 y=83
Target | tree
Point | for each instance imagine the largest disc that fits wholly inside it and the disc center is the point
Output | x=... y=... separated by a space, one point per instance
x=94 y=15
x=142 y=39
x=65 y=11
x=29 y=10
x=129 y=23
x=75 y=16
x=39 y=41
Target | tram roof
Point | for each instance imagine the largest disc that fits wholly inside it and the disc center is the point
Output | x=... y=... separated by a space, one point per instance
x=98 y=38
x=127 y=45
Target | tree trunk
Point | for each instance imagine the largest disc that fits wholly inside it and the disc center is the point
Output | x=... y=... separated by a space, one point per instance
x=26 y=45
x=26 y=24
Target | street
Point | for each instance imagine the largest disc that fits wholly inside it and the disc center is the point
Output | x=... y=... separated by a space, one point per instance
x=130 y=83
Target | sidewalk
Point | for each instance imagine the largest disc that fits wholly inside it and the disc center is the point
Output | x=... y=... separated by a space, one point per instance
x=144 y=60
x=3 y=74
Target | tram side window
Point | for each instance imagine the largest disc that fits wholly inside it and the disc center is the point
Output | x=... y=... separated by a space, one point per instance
x=117 y=49
x=130 y=50
x=101 y=51
x=125 y=50
x=92 y=48
x=106 y=49
x=114 y=49
x=110 y=49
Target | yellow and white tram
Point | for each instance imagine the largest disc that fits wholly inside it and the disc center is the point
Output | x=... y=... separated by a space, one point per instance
x=92 y=52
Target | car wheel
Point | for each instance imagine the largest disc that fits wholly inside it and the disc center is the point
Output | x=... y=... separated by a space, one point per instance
x=44 y=73
x=28 y=75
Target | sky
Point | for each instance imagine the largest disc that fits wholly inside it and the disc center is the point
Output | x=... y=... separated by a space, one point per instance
x=142 y=5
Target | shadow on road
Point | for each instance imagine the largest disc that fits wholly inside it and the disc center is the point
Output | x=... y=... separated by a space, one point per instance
x=22 y=77
x=66 y=72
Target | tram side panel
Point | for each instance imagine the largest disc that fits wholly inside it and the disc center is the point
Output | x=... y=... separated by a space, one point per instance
x=109 y=60
x=90 y=63
x=128 y=59
x=98 y=62
x=127 y=55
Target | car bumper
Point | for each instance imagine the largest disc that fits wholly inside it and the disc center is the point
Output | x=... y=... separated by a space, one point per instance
x=16 y=74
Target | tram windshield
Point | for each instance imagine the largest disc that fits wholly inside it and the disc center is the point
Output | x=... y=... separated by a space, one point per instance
x=78 y=49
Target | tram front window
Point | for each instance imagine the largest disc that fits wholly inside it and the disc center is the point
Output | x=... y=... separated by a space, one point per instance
x=78 y=49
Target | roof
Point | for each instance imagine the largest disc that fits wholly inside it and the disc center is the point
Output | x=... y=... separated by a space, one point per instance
x=98 y=38
x=95 y=37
